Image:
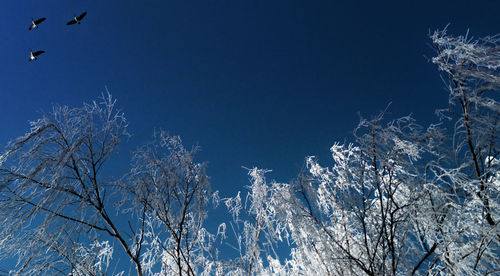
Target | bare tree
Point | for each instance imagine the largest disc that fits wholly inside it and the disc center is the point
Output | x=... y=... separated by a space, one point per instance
x=358 y=217
x=173 y=191
x=60 y=215
x=400 y=199
x=53 y=200
x=256 y=228
x=469 y=180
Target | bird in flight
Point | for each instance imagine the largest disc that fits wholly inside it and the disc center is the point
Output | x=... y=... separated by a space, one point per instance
x=34 y=23
x=77 y=19
x=34 y=55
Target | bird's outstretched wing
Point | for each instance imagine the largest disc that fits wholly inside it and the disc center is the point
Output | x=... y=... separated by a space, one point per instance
x=81 y=16
x=40 y=20
x=37 y=53
x=71 y=22
x=34 y=23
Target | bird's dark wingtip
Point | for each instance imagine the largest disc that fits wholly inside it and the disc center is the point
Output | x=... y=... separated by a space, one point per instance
x=37 y=53
x=82 y=15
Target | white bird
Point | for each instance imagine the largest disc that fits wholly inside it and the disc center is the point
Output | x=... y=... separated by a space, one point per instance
x=77 y=19
x=34 y=55
x=35 y=23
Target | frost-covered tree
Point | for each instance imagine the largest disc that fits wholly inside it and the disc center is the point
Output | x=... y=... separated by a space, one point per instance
x=171 y=192
x=468 y=185
x=60 y=215
x=53 y=200
x=256 y=227
x=355 y=218
x=399 y=199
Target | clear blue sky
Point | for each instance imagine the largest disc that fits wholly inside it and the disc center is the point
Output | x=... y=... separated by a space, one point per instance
x=254 y=83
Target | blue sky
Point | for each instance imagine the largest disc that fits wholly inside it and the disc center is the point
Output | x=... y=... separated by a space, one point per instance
x=254 y=83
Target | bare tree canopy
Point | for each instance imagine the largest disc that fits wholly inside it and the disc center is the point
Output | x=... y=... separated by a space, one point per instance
x=59 y=213
x=399 y=199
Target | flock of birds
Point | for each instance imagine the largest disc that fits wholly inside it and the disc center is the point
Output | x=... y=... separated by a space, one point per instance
x=34 y=24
